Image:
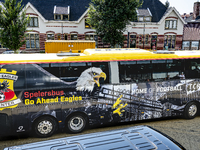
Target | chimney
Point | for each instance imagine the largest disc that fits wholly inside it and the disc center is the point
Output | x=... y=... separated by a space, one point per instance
x=196 y=10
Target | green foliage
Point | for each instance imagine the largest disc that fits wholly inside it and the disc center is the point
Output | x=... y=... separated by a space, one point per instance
x=13 y=24
x=110 y=17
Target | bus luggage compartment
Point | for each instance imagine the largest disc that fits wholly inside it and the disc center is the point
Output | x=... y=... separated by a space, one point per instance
x=133 y=138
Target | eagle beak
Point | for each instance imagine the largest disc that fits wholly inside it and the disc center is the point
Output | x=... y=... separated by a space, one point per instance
x=96 y=78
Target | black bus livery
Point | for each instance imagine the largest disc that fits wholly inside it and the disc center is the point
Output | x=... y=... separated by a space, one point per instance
x=46 y=92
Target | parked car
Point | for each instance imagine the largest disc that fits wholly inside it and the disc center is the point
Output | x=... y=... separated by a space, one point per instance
x=133 y=138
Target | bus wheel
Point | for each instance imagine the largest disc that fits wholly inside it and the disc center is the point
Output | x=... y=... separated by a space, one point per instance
x=76 y=123
x=45 y=127
x=191 y=110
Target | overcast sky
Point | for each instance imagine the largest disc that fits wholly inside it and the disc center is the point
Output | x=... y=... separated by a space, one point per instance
x=183 y=6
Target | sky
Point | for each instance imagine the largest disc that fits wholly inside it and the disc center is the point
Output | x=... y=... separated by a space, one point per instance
x=182 y=6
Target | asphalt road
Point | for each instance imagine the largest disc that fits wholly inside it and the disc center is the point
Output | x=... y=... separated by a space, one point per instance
x=186 y=132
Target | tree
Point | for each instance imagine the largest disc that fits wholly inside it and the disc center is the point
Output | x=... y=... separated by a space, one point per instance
x=110 y=17
x=13 y=24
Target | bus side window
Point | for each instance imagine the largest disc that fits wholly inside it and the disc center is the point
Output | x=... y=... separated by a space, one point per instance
x=20 y=68
x=134 y=71
x=192 y=68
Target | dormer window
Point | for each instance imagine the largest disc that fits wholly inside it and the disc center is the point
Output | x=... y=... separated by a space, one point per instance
x=61 y=13
x=141 y=19
x=144 y=15
x=57 y=17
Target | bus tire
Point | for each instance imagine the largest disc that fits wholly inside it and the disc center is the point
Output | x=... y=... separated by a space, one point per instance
x=76 y=123
x=45 y=127
x=191 y=110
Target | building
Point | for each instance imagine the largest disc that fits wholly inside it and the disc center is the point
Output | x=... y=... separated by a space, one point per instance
x=157 y=27
x=191 y=32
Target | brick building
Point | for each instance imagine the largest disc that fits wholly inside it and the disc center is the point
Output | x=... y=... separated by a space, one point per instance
x=191 y=32
x=157 y=26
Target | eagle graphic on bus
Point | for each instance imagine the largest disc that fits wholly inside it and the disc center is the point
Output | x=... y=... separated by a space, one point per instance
x=89 y=78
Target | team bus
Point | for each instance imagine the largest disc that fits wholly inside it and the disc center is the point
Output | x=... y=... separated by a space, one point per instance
x=42 y=93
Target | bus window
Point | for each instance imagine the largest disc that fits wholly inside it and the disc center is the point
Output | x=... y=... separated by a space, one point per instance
x=175 y=68
x=37 y=77
x=192 y=67
x=159 y=71
x=20 y=83
x=132 y=71
x=71 y=71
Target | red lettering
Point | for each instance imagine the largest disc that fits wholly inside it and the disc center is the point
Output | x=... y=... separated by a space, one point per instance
x=26 y=94
x=53 y=93
x=62 y=93
x=42 y=94
x=49 y=93
x=31 y=95
x=35 y=94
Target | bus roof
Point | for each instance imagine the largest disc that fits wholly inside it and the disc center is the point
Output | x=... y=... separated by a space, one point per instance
x=98 y=55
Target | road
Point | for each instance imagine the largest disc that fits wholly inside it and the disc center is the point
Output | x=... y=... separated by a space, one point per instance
x=186 y=132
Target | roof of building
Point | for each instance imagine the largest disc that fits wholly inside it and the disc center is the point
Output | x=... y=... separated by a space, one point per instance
x=144 y=12
x=46 y=7
x=156 y=8
x=78 y=7
x=61 y=10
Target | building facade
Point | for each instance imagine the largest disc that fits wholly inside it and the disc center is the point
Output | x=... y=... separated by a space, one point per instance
x=157 y=27
x=191 y=32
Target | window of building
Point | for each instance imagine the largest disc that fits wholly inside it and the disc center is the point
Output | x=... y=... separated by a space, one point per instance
x=87 y=26
x=50 y=36
x=146 y=39
x=132 y=41
x=66 y=36
x=186 y=45
x=194 y=45
x=140 y=39
x=89 y=37
x=74 y=37
x=190 y=45
x=32 y=41
x=147 y=19
x=169 y=41
x=33 y=22
x=170 y=24
x=141 y=19
x=61 y=17
x=154 y=42
x=57 y=17
x=58 y=36
x=65 y=17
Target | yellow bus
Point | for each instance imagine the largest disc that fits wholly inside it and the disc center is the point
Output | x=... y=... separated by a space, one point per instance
x=46 y=92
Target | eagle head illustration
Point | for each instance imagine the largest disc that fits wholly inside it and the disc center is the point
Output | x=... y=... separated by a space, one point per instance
x=89 y=78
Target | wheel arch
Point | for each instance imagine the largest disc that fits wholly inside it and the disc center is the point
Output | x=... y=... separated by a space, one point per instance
x=77 y=112
x=197 y=103
x=45 y=115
